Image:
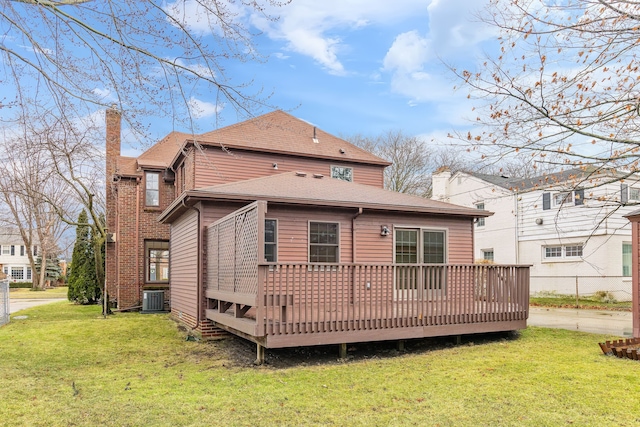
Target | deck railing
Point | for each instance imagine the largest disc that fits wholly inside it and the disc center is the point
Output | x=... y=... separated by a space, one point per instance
x=308 y=298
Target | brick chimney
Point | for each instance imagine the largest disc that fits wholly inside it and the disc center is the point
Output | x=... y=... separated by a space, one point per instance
x=112 y=120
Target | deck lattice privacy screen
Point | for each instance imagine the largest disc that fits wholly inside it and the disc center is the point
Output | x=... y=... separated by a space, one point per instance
x=232 y=248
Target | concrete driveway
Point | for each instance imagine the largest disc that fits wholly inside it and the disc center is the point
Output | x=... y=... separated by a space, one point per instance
x=617 y=323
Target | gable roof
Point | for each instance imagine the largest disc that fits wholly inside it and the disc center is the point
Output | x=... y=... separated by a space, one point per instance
x=296 y=188
x=573 y=176
x=280 y=132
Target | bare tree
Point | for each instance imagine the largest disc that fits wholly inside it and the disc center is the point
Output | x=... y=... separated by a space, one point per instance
x=413 y=160
x=28 y=188
x=563 y=87
x=149 y=57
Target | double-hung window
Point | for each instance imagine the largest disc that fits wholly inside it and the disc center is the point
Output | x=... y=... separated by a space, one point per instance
x=152 y=189
x=480 y=221
x=324 y=240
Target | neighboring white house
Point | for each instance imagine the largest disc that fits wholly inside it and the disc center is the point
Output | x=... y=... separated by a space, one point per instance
x=14 y=260
x=568 y=226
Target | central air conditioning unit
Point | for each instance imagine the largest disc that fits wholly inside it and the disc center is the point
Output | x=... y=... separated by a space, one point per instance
x=152 y=301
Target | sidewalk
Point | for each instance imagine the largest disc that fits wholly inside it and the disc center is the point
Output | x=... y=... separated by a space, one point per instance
x=20 y=304
x=617 y=323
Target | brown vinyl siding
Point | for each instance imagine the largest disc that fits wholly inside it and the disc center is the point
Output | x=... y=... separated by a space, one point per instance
x=215 y=166
x=371 y=247
x=184 y=263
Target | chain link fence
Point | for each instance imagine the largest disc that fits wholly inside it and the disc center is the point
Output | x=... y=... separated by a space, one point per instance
x=597 y=288
x=4 y=302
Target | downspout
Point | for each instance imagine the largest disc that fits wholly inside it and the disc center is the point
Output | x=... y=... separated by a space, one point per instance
x=138 y=180
x=353 y=236
x=199 y=269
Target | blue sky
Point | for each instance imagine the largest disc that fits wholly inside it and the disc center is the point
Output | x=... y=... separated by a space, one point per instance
x=363 y=66
x=347 y=66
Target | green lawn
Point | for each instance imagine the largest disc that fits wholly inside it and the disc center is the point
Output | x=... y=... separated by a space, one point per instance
x=568 y=301
x=67 y=366
x=22 y=293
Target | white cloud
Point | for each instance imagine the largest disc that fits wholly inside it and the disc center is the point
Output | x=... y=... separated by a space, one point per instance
x=202 y=109
x=414 y=60
x=311 y=27
x=281 y=55
x=407 y=54
x=199 y=69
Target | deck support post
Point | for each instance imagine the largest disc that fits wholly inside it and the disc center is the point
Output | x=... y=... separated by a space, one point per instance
x=400 y=345
x=458 y=339
x=259 y=354
x=343 y=350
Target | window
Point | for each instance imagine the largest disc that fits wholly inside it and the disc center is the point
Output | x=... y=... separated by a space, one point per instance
x=6 y=271
x=28 y=273
x=553 y=252
x=487 y=254
x=563 y=198
x=414 y=246
x=342 y=173
x=626 y=259
x=13 y=250
x=35 y=251
x=563 y=251
x=17 y=273
x=21 y=250
x=573 y=251
x=634 y=194
x=480 y=221
x=270 y=240
x=6 y=250
x=323 y=242
x=152 y=188
x=406 y=246
x=431 y=243
x=157 y=261
x=433 y=247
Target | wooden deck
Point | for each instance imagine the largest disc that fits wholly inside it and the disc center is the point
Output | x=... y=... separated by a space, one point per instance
x=305 y=304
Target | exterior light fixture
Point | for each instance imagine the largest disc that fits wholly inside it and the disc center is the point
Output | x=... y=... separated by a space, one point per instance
x=384 y=231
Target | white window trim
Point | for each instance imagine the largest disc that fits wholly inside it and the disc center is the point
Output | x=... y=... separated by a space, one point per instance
x=569 y=200
x=480 y=221
x=563 y=257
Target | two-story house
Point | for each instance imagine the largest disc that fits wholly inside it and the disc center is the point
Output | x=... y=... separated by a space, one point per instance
x=569 y=226
x=14 y=260
x=279 y=232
